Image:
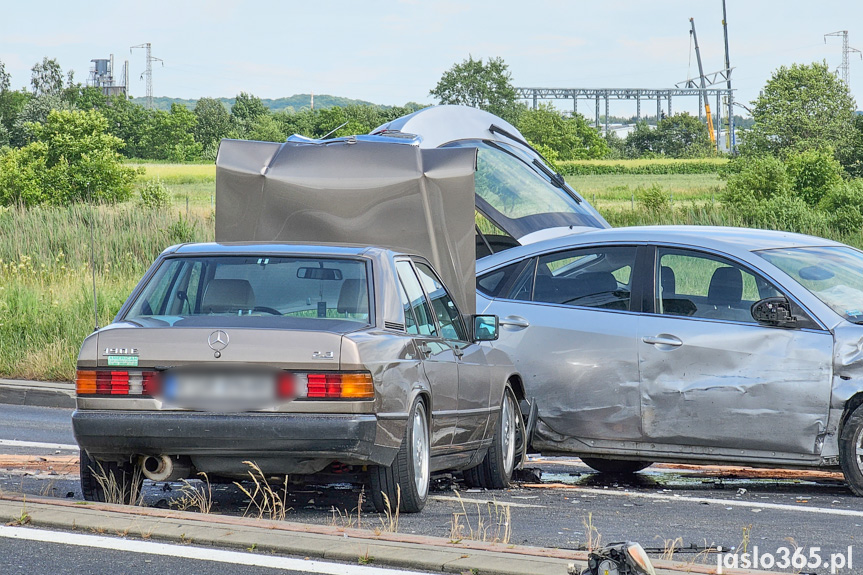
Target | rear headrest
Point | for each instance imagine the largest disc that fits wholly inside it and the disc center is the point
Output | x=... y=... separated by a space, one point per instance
x=726 y=287
x=667 y=281
x=354 y=297
x=228 y=295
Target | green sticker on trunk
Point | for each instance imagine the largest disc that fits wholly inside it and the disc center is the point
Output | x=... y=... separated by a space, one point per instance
x=123 y=360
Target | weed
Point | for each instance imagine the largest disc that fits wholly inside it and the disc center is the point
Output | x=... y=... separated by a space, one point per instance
x=265 y=500
x=747 y=536
x=390 y=521
x=594 y=538
x=365 y=559
x=670 y=546
x=24 y=517
x=495 y=525
x=125 y=490
x=252 y=548
x=194 y=497
x=147 y=534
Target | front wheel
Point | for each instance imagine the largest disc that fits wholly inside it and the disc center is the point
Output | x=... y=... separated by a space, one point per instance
x=495 y=471
x=615 y=466
x=405 y=483
x=851 y=451
x=110 y=481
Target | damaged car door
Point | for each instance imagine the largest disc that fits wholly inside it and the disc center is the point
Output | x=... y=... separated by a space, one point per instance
x=713 y=377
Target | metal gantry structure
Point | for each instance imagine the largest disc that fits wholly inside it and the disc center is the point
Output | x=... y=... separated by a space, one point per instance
x=605 y=95
x=844 y=68
x=148 y=72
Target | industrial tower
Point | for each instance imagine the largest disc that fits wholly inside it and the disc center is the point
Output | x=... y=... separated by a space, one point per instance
x=844 y=69
x=148 y=72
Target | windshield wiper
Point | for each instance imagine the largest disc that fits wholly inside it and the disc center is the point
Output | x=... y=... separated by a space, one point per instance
x=556 y=179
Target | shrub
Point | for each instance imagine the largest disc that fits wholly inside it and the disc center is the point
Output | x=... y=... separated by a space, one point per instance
x=760 y=178
x=843 y=206
x=813 y=173
x=154 y=194
x=653 y=198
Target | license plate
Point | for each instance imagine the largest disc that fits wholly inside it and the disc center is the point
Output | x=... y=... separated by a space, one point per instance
x=219 y=390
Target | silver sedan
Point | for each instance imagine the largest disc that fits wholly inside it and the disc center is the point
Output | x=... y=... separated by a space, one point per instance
x=691 y=344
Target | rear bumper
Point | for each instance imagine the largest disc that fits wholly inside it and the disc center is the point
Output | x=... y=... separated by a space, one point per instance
x=212 y=437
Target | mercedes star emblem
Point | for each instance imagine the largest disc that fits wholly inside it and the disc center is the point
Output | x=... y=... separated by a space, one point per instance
x=218 y=340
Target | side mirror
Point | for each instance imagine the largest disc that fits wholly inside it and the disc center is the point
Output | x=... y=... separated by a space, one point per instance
x=485 y=327
x=773 y=311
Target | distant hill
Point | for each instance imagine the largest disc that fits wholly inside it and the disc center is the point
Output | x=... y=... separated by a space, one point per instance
x=295 y=102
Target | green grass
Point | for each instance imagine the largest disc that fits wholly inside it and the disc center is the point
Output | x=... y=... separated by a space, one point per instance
x=46 y=298
x=619 y=191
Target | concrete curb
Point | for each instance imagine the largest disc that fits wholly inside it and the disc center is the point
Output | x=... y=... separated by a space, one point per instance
x=37 y=393
x=311 y=541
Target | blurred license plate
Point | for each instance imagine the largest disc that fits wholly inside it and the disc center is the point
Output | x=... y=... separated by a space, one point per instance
x=207 y=389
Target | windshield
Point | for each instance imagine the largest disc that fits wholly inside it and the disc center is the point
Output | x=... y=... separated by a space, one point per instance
x=834 y=274
x=253 y=291
x=518 y=197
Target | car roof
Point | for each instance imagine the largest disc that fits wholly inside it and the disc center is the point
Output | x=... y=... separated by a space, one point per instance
x=228 y=248
x=727 y=239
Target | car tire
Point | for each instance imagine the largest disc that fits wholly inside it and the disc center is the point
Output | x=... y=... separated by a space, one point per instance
x=851 y=451
x=615 y=466
x=406 y=481
x=110 y=481
x=495 y=470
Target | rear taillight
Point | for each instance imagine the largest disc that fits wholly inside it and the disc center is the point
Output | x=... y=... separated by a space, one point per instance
x=115 y=382
x=289 y=385
x=337 y=385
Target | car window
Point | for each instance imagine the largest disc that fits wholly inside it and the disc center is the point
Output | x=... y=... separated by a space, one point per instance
x=697 y=284
x=599 y=277
x=249 y=287
x=444 y=307
x=416 y=304
x=493 y=282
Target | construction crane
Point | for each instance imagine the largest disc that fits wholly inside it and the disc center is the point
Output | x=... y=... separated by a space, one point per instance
x=703 y=84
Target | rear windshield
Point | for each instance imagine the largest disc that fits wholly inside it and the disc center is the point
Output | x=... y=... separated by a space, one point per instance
x=254 y=291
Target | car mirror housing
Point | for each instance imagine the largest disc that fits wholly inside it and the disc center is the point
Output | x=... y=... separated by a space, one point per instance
x=485 y=327
x=774 y=311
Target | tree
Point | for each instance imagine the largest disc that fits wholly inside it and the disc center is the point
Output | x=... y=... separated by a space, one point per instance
x=246 y=109
x=72 y=160
x=168 y=136
x=486 y=86
x=213 y=123
x=47 y=77
x=801 y=107
x=677 y=136
x=127 y=121
x=34 y=113
x=4 y=77
x=570 y=138
x=813 y=174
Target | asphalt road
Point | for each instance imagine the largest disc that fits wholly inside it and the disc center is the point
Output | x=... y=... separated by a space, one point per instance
x=661 y=507
x=84 y=554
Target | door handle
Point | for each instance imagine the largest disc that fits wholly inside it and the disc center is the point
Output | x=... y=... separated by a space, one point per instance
x=514 y=321
x=459 y=352
x=424 y=349
x=663 y=339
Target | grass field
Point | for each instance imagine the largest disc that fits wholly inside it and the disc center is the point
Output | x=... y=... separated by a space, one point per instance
x=619 y=192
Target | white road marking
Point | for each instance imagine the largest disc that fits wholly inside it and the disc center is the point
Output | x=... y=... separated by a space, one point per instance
x=483 y=501
x=198 y=553
x=730 y=502
x=38 y=445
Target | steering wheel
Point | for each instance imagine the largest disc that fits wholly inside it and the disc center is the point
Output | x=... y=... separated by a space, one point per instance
x=265 y=309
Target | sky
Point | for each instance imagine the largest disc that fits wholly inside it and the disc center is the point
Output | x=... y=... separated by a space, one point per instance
x=394 y=52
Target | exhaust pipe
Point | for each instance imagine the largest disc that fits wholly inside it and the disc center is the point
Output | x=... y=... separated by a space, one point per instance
x=164 y=467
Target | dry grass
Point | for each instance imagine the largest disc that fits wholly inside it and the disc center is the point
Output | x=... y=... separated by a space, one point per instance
x=119 y=492
x=196 y=497
x=267 y=502
x=493 y=525
x=594 y=538
x=390 y=520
